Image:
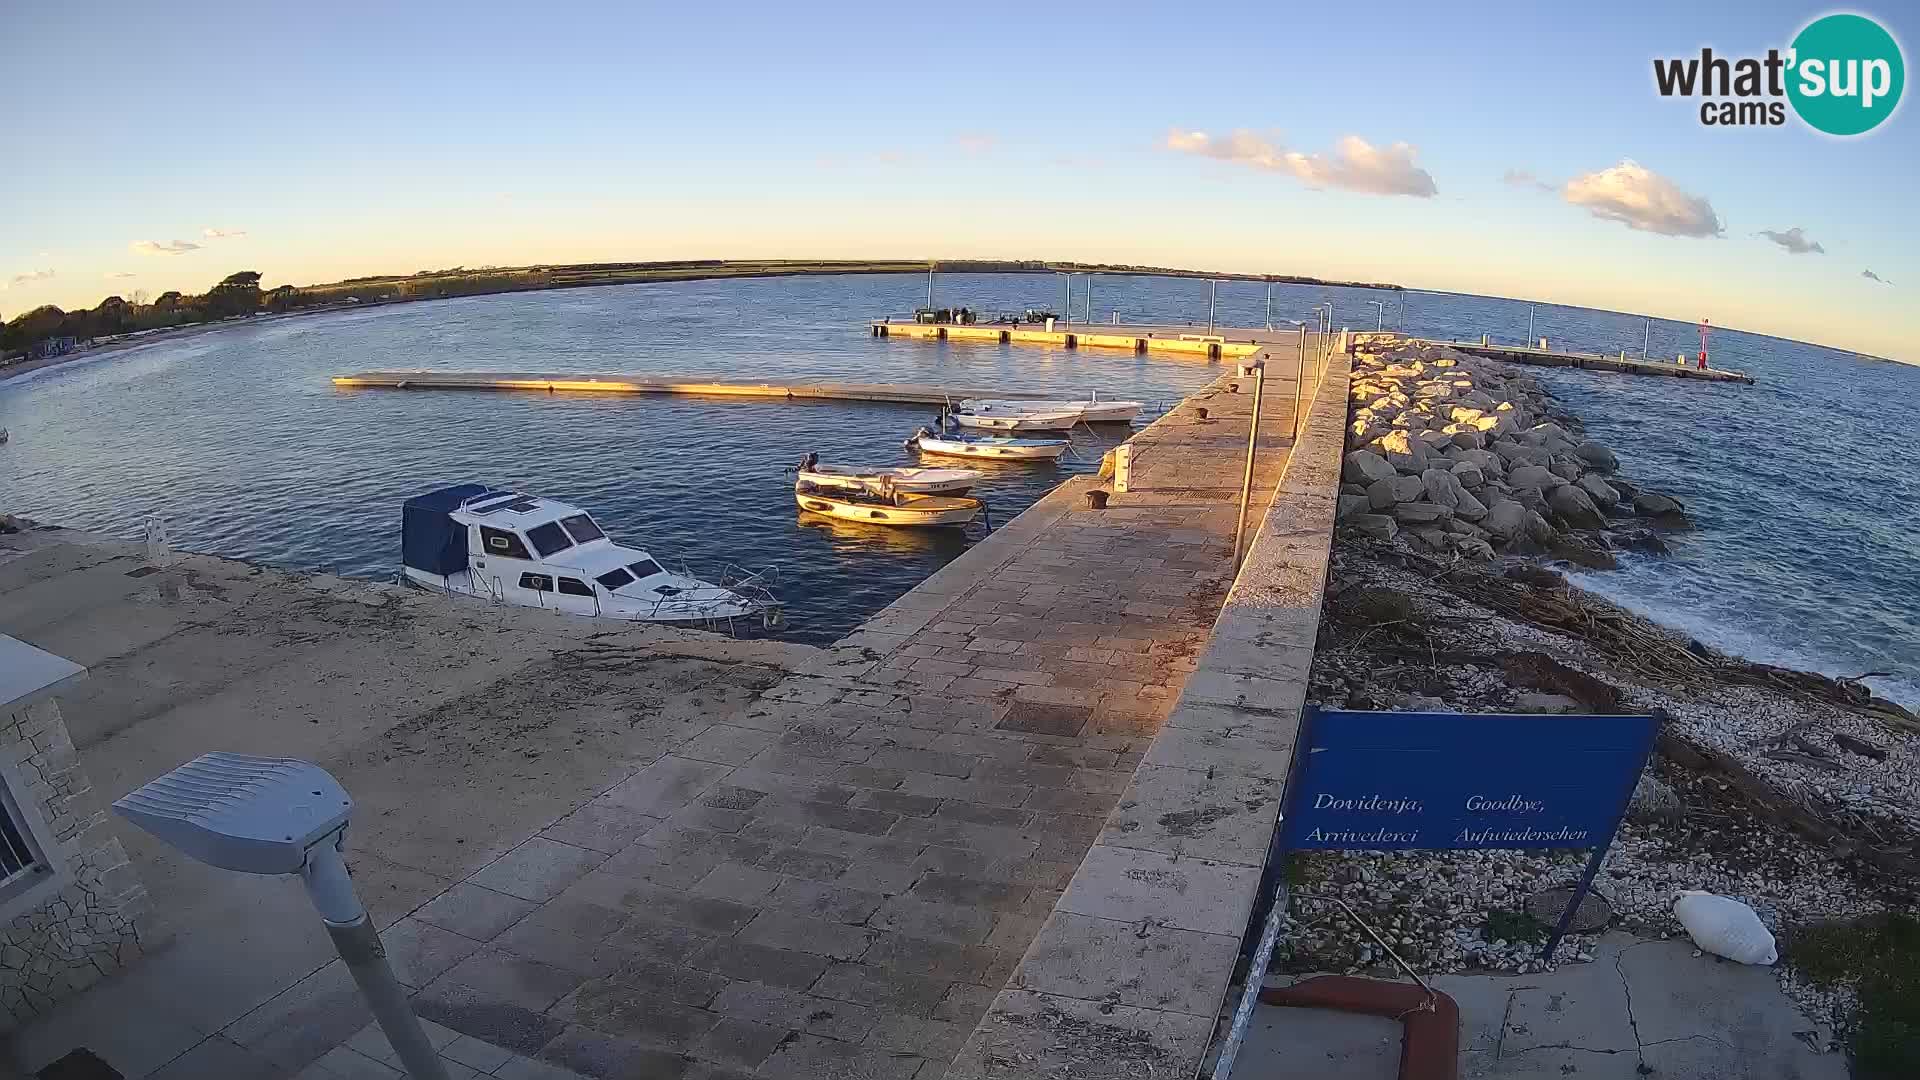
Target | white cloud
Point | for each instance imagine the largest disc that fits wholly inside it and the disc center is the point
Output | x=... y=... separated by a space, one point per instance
x=1640 y=198
x=1871 y=276
x=976 y=142
x=1524 y=178
x=157 y=247
x=211 y=233
x=1795 y=241
x=1354 y=165
x=29 y=277
x=117 y=274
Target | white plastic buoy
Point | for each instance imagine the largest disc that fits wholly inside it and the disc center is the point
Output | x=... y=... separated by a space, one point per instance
x=1725 y=927
x=262 y=815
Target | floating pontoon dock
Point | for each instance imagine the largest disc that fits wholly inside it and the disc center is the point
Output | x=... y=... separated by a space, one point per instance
x=1522 y=354
x=899 y=393
x=1220 y=343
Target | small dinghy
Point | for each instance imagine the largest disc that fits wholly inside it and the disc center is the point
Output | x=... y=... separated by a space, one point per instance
x=927 y=441
x=473 y=541
x=912 y=480
x=1015 y=416
x=884 y=505
x=1093 y=411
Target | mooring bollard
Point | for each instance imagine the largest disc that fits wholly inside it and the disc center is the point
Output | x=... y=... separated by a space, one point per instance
x=1096 y=500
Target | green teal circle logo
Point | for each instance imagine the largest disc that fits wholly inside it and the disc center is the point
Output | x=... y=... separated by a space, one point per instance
x=1847 y=74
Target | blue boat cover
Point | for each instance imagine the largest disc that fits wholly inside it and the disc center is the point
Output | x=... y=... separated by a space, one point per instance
x=430 y=540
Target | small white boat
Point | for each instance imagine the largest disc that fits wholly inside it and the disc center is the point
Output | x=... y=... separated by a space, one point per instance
x=473 y=541
x=1007 y=418
x=1093 y=411
x=902 y=509
x=913 y=480
x=1003 y=449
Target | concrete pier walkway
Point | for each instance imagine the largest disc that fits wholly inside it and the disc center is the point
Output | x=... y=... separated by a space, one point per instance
x=565 y=382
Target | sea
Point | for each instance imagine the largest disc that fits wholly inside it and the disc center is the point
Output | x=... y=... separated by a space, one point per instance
x=236 y=438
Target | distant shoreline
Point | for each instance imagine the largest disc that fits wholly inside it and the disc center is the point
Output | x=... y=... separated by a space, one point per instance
x=447 y=285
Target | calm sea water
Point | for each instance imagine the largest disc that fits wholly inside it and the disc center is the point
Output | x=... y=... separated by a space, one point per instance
x=237 y=438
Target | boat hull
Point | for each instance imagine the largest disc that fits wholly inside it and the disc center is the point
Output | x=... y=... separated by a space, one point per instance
x=995 y=449
x=912 y=481
x=940 y=512
x=1092 y=411
x=699 y=612
x=1047 y=422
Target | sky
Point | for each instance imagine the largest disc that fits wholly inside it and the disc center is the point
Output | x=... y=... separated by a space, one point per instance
x=1514 y=150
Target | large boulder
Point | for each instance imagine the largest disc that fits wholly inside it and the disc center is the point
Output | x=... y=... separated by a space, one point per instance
x=1472 y=547
x=1470 y=506
x=1599 y=491
x=1469 y=474
x=1520 y=454
x=1460 y=414
x=1384 y=494
x=1365 y=466
x=1595 y=456
x=1436 y=441
x=1574 y=508
x=1552 y=436
x=1465 y=438
x=1442 y=488
x=1658 y=505
x=1350 y=505
x=1490 y=463
x=1421 y=513
x=1402 y=451
x=1509 y=519
x=1378 y=526
x=1565 y=468
x=1534 y=476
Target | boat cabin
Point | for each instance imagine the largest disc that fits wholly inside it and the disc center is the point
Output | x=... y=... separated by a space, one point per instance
x=532 y=551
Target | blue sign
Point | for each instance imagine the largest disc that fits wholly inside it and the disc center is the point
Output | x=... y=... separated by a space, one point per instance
x=1461 y=780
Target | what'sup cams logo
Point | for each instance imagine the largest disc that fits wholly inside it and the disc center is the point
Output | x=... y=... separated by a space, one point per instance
x=1843 y=75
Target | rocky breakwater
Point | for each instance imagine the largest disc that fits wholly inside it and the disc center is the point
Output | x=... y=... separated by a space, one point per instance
x=1470 y=459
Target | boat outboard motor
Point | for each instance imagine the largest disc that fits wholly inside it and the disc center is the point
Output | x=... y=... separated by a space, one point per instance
x=809 y=462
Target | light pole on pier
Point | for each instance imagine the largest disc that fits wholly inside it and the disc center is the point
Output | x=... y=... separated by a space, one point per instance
x=1066 y=299
x=1269 y=305
x=1089 y=299
x=929 y=286
x=1646 y=337
x=1529 y=326
x=1212 y=288
x=1380 y=315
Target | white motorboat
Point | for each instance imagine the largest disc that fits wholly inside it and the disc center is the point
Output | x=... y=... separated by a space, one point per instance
x=912 y=480
x=927 y=441
x=471 y=540
x=901 y=508
x=1009 y=418
x=1092 y=411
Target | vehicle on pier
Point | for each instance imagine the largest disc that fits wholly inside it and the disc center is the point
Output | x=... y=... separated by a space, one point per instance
x=995 y=448
x=489 y=544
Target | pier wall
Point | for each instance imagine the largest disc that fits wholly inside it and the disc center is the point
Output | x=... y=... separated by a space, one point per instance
x=1225 y=344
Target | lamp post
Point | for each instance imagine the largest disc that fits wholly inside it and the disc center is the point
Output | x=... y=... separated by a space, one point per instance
x=1299 y=369
x=1246 y=478
x=929 y=286
x=1380 y=315
x=1066 y=299
x=1646 y=338
x=1269 y=305
x=1212 y=288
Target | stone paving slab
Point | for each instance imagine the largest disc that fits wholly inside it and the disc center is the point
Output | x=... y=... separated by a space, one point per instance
x=1642 y=1008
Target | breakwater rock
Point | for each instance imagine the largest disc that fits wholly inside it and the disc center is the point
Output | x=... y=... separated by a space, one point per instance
x=1469 y=458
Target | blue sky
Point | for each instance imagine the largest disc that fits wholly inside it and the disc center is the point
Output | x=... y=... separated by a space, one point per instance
x=349 y=139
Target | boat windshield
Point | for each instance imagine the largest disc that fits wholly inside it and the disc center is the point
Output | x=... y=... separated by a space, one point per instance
x=548 y=539
x=615 y=578
x=645 y=568
x=582 y=528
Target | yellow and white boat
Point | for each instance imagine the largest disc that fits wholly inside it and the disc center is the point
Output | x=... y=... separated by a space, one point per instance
x=874 y=508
